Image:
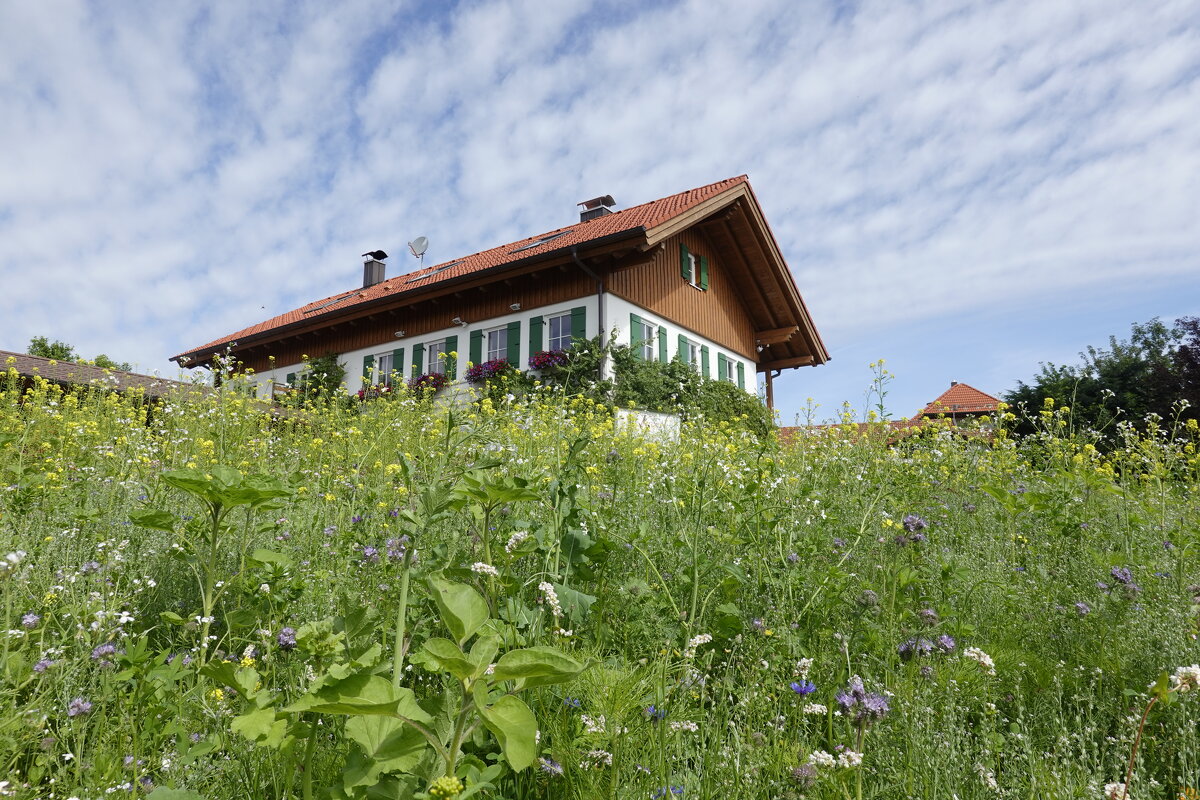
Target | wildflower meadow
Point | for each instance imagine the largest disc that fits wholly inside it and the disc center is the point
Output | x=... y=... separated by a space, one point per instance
x=206 y=597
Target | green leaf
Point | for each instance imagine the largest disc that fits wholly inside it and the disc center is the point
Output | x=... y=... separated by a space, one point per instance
x=574 y=604
x=515 y=728
x=483 y=652
x=445 y=655
x=359 y=694
x=261 y=727
x=172 y=618
x=538 y=665
x=263 y=557
x=462 y=608
x=388 y=745
x=153 y=518
x=163 y=793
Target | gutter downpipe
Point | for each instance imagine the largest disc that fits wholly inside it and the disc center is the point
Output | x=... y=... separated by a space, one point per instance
x=599 y=306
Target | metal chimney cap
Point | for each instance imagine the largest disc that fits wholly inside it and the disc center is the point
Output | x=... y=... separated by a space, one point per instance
x=605 y=200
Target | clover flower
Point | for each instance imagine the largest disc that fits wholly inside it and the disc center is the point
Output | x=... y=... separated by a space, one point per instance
x=79 y=708
x=815 y=709
x=1186 y=679
x=286 y=639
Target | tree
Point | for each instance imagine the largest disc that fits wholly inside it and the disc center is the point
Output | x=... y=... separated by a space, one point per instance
x=61 y=351
x=42 y=347
x=1145 y=374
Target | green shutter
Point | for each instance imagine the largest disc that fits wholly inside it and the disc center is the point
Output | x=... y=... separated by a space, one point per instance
x=418 y=360
x=704 y=273
x=635 y=335
x=682 y=352
x=451 y=361
x=368 y=367
x=398 y=363
x=662 y=345
x=704 y=360
x=514 y=344
x=722 y=367
x=741 y=375
x=685 y=266
x=291 y=379
x=476 y=354
x=578 y=324
x=535 y=334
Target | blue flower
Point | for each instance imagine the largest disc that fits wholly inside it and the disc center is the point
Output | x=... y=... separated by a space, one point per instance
x=803 y=687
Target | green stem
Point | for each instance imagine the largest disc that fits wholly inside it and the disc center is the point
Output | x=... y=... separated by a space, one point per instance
x=309 y=748
x=401 y=619
x=459 y=727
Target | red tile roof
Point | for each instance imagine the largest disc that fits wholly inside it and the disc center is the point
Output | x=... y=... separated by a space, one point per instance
x=71 y=373
x=644 y=216
x=961 y=399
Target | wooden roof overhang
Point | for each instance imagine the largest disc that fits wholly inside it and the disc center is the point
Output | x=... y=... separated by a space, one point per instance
x=734 y=223
x=607 y=249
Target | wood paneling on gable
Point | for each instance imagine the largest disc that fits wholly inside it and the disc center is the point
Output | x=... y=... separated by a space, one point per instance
x=717 y=314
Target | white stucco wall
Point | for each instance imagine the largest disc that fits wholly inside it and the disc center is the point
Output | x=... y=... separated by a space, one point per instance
x=352 y=361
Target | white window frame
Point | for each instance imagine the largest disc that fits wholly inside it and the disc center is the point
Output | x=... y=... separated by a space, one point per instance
x=432 y=362
x=730 y=371
x=693 y=355
x=501 y=350
x=563 y=337
x=649 y=340
x=383 y=368
x=693 y=269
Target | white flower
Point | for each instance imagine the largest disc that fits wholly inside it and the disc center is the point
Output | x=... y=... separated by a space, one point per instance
x=802 y=668
x=816 y=709
x=1114 y=790
x=694 y=642
x=985 y=661
x=849 y=758
x=515 y=540
x=819 y=758
x=592 y=724
x=485 y=569
x=596 y=758
x=684 y=725
x=551 y=598
x=1186 y=678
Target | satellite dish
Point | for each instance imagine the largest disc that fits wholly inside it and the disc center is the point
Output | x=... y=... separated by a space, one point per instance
x=418 y=246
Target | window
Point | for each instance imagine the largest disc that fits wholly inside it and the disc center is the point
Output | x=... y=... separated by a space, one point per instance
x=560 y=332
x=383 y=369
x=646 y=340
x=693 y=267
x=693 y=276
x=693 y=355
x=436 y=353
x=728 y=370
x=497 y=343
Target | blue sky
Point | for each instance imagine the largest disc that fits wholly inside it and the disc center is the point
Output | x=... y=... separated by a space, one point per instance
x=964 y=189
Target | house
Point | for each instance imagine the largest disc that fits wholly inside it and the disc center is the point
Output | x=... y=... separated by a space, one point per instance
x=696 y=276
x=958 y=404
x=70 y=374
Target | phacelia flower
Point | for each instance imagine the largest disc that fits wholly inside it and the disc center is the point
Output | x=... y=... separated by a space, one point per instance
x=912 y=523
x=286 y=639
x=30 y=621
x=42 y=666
x=946 y=643
x=550 y=766
x=79 y=707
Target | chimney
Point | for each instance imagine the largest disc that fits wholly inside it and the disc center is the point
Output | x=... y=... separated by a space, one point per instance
x=954 y=383
x=596 y=207
x=374 y=270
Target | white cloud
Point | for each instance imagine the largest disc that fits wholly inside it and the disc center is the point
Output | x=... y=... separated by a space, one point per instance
x=172 y=171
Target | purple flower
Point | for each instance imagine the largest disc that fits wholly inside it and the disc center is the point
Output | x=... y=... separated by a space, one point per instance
x=1122 y=575
x=805 y=775
x=370 y=555
x=286 y=639
x=918 y=647
x=655 y=714
x=874 y=706
x=803 y=687
x=396 y=548
x=355 y=519
x=42 y=666
x=103 y=653
x=793 y=558
x=917 y=538
x=946 y=643
x=30 y=621
x=79 y=707
x=550 y=766
x=1082 y=609
x=845 y=700
x=88 y=567
x=912 y=523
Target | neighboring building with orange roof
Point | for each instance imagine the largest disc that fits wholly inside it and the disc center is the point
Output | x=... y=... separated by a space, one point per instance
x=961 y=401
x=696 y=276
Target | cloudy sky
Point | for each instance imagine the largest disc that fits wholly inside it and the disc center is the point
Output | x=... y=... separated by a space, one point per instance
x=964 y=189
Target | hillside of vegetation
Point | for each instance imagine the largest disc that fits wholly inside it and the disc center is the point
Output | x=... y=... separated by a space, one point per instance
x=203 y=599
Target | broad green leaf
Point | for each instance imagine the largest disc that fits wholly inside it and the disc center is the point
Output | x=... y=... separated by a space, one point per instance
x=483 y=653
x=574 y=604
x=445 y=655
x=361 y=693
x=515 y=728
x=388 y=746
x=153 y=518
x=172 y=618
x=192 y=481
x=462 y=608
x=264 y=557
x=261 y=727
x=538 y=665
